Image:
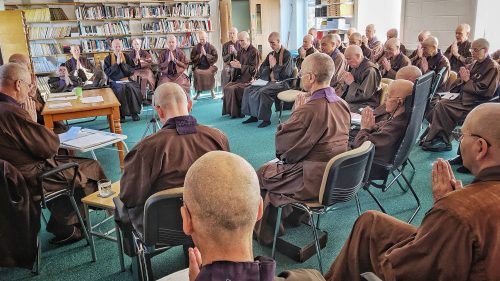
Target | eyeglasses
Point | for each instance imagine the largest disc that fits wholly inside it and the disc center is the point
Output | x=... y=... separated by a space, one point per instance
x=459 y=136
x=300 y=75
x=475 y=50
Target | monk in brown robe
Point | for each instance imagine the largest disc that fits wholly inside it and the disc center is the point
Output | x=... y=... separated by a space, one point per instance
x=314 y=33
x=434 y=60
x=305 y=50
x=371 y=41
x=155 y=163
x=477 y=84
x=362 y=82
x=329 y=46
x=304 y=145
x=64 y=82
x=142 y=60
x=393 y=33
x=343 y=44
x=357 y=39
x=393 y=59
x=173 y=62
x=459 y=53
x=81 y=67
x=245 y=67
x=386 y=134
x=417 y=54
x=458 y=237
x=32 y=148
x=229 y=51
x=204 y=57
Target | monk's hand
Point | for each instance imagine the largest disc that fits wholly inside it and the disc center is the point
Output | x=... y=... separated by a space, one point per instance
x=32 y=92
x=443 y=179
x=386 y=64
x=194 y=263
x=272 y=61
x=348 y=78
x=367 y=118
x=454 y=49
x=302 y=52
x=464 y=74
x=420 y=51
x=425 y=65
x=30 y=106
x=235 y=64
x=232 y=49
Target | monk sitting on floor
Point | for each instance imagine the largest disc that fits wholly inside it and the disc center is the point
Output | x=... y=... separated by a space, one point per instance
x=204 y=57
x=32 y=148
x=304 y=145
x=458 y=237
x=477 y=84
x=393 y=59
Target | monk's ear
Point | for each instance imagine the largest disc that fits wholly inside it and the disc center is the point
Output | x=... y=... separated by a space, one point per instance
x=482 y=149
x=187 y=222
x=260 y=211
x=160 y=111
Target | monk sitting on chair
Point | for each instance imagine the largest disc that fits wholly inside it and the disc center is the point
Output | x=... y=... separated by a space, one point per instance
x=458 y=53
x=433 y=60
x=173 y=62
x=393 y=33
x=229 y=51
x=204 y=57
x=79 y=66
x=418 y=53
x=142 y=60
x=393 y=59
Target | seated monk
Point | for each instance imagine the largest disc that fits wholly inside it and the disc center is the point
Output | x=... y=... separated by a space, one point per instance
x=477 y=84
x=345 y=43
x=362 y=82
x=304 y=146
x=434 y=60
x=386 y=134
x=357 y=39
x=32 y=148
x=64 y=82
x=173 y=62
x=314 y=33
x=35 y=95
x=258 y=100
x=245 y=67
x=330 y=45
x=156 y=163
x=142 y=60
x=79 y=66
x=393 y=59
x=457 y=239
x=417 y=54
x=229 y=51
x=393 y=33
x=119 y=67
x=204 y=57
x=306 y=49
x=458 y=53
x=371 y=41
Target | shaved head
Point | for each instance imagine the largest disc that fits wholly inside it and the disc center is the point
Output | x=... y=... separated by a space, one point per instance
x=393 y=42
x=409 y=72
x=233 y=34
x=353 y=55
x=400 y=88
x=350 y=31
x=321 y=65
x=481 y=43
x=392 y=33
x=424 y=34
x=171 y=99
x=485 y=121
x=355 y=39
x=15 y=81
x=274 y=36
x=244 y=39
x=20 y=59
x=337 y=39
x=463 y=27
x=370 y=31
x=222 y=194
x=431 y=41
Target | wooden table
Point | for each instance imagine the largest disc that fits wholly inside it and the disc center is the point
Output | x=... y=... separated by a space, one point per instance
x=110 y=108
x=106 y=204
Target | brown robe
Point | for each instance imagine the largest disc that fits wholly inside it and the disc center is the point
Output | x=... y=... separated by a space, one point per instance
x=59 y=126
x=299 y=61
x=19 y=219
x=340 y=68
x=162 y=160
x=367 y=52
x=31 y=148
x=173 y=71
x=377 y=49
x=385 y=135
x=304 y=145
x=483 y=82
x=402 y=48
x=227 y=71
x=204 y=68
x=436 y=63
x=464 y=58
x=143 y=70
x=233 y=91
x=415 y=60
x=364 y=90
x=397 y=62
x=457 y=239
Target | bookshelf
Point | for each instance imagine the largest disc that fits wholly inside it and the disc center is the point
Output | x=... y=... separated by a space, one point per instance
x=52 y=27
x=335 y=16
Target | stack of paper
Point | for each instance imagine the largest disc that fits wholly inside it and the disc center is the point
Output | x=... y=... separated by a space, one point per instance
x=89 y=141
x=92 y=99
x=59 y=105
x=260 y=82
x=62 y=98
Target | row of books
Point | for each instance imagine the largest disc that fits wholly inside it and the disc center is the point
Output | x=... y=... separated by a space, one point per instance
x=177 y=10
x=42 y=83
x=102 y=45
x=186 y=40
x=41 y=32
x=43 y=65
x=106 y=12
x=41 y=49
x=165 y=26
x=44 y=15
x=107 y=29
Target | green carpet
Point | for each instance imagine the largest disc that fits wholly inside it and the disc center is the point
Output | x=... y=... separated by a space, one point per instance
x=73 y=262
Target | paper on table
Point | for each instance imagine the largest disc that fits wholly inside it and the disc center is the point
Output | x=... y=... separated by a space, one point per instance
x=60 y=105
x=92 y=99
x=62 y=98
x=259 y=82
x=65 y=94
x=355 y=118
x=70 y=134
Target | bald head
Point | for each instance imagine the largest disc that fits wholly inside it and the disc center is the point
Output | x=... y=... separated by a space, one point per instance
x=20 y=59
x=202 y=37
x=171 y=100
x=409 y=72
x=307 y=41
x=370 y=31
x=15 y=81
x=400 y=88
x=222 y=194
x=393 y=43
x=353 y=55
x=424 y=34
x=233 y=34
x=350 y=31
x=481 y=43
x=430 y=46
x=321 y=65
x=392 y=33
x=462 y=32
x=337 y=40
x=244 y=39
x=484 y=120
x=313 y=32
x=355 y=39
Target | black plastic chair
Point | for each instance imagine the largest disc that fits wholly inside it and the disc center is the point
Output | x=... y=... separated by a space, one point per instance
x=415 y=107
x=162 y=229
x=344 y=175
x=436 y=82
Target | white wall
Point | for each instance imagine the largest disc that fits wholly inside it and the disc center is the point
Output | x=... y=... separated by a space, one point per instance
x=293 y=20
x=385 y=14
x=487 y=22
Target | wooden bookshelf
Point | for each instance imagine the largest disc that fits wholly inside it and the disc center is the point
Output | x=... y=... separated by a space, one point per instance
x=333 y=15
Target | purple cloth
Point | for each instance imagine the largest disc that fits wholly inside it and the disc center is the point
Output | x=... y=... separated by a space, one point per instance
x=261 y=269
x=327 y=93
x=8 y=99
x=335 y=53
x=184 y=125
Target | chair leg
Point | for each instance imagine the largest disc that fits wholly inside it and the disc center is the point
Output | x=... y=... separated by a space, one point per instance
x=376 y=200
x=282 y=104
x=399 y=184
x=411 y=164
x=276 y=230
x=80 y=220
x=38 y=260
x=358 y=205
x=316 y=242
x=416 y=198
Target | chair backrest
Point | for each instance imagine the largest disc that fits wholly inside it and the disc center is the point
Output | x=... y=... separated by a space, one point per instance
x=436 y=82
x=453 y=77
x=162 y=219
x=384 y=91
x=415 y=107
x=345 y=174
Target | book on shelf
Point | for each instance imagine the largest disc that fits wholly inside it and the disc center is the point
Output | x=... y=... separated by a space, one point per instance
x=102 y=45
x=44 y=15
x=42 y=83
x=45 y=32
x=176 y=10
x=40 y=49
x=43 y=65
x=107 y=29
x=166 y=25
x=57 y=14
x=106 y=12
x=183 y=40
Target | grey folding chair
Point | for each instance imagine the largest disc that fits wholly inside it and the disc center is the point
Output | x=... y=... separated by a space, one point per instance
x=344 y=175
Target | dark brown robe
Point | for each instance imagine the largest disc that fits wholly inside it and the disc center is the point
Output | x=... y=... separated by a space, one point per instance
x=385 y=135
x=204 y=68
x=483 y=82
x=32 y=148
x=97 y=76
x=436 y=63
x=233 y=91
x=377 y=49
x=340 y=68
x=173 y=71
x=19 y=219
x=162 y=160
x=367 y=52
x=304 y=145
x=227 y=71
x=457 y=239
x=143 y=70
x=415 y=60
x=402 y=49
x=464 y=58
x=364 y=90
x=58 y=85
x=59 y=126
x=299 y=61
x=397 y=62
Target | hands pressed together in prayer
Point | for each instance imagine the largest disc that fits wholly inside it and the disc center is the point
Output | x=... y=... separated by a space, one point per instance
x=203 y=52
x=386 y=64
x=420 y=51
x=235 y=64
x=464 y=74
x=367 y=118
x=232 y=49
x=32 y=92
x=454 y=49
x=425 y=65
x=347 y=78
x=272 y=61
x=194 y=263
x=30 y=106
x=443 y=179
x=302 y=52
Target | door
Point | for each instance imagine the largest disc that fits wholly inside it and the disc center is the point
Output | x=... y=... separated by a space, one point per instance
x=264 y=19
